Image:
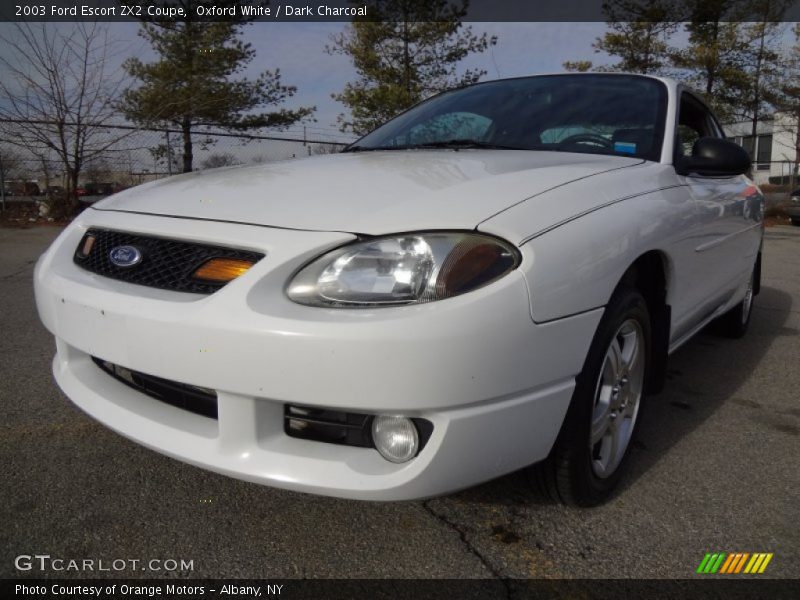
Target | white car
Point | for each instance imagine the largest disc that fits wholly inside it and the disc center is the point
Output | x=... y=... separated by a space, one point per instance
x=494 y=278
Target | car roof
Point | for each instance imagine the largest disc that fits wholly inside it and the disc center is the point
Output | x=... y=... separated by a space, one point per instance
x=667 y=80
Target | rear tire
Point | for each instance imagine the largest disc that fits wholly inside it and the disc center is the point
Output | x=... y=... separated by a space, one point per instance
x=734 y=323
x=590 y=454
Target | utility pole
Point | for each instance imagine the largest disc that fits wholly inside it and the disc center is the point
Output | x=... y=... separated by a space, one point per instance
x=169 y=154
x=2 y=184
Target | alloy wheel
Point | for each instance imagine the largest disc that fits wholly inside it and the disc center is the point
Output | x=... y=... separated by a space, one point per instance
x=617 y=397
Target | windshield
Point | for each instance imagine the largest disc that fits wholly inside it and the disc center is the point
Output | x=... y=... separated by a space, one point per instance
x=599 y=114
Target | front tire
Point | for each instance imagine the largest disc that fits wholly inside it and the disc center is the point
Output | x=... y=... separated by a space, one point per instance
x=590 y=454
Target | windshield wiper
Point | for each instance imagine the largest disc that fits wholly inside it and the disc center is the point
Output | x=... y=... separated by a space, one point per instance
x=456 y=144
x=463 y=143
x=368 y=148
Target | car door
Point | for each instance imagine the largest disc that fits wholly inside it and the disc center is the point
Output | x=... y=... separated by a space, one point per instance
x=726 y=234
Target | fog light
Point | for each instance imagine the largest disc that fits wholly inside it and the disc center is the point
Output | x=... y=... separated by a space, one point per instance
x=395 y=438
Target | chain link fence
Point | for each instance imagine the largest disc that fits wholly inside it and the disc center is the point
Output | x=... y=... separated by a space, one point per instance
x=125 y=155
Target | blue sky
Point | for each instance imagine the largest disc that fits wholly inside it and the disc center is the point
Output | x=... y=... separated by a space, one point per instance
x=298 y=49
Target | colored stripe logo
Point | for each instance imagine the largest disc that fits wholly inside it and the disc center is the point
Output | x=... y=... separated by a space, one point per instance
x=734 y=562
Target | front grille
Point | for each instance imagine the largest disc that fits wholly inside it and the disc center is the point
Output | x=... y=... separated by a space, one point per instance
x=166 y=264
x=201 y=401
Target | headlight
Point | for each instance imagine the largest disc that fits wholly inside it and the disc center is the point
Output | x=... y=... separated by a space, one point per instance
x=403 y=269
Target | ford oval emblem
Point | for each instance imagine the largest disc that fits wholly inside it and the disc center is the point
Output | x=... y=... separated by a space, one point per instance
x=125 y=256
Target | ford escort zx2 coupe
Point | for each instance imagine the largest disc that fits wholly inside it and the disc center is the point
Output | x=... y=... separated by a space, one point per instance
x=493 y=279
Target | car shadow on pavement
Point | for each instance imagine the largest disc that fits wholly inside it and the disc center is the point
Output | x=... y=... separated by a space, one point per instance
x=702 y=376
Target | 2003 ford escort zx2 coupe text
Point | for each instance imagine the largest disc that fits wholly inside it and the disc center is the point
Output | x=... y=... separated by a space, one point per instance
x=490 y=280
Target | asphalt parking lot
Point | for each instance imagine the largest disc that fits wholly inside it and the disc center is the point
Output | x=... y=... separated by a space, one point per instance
x=715 y=468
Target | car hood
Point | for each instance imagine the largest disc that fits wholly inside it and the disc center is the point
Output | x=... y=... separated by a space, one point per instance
x=370 y=192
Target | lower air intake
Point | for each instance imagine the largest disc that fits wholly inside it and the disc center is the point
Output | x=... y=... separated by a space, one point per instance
x=201 y=401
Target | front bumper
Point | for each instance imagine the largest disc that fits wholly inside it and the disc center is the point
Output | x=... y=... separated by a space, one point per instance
x=495 y=385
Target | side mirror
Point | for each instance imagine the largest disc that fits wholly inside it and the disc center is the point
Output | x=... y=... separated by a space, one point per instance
x=714 y=157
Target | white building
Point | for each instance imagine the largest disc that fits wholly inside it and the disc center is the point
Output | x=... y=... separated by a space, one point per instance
x=772 y=150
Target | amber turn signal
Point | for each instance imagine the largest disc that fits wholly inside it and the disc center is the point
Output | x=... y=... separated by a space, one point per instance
x=222 y=270
x=86 y=248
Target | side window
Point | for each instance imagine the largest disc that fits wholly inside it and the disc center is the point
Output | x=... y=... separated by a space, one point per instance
x=687 y=136
x=694 y=122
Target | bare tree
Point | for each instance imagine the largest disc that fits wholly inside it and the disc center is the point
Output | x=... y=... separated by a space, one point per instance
x=13 y=166
x=314 y=149
x=59 y=94
x=786 y=98
x=220 y=159
x=97 y=170
x=166 y=154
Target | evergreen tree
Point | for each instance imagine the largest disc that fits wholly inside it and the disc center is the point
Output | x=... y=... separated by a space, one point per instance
x=762 y=66
x=409 y=52
x=577 y=66
x=197 y=80
x=714 y=60
x=638 y=34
